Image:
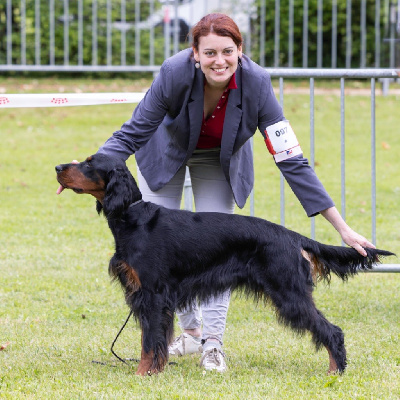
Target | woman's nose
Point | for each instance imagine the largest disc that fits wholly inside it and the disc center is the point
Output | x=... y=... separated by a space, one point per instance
x=219 y=59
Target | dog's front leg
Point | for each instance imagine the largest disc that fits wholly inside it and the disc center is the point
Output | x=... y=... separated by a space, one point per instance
x=151 y=361
x=146 y=363
x=156 y=322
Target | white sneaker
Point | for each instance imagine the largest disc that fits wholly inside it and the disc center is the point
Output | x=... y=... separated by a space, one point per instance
x=213 y=359
x=185 y=344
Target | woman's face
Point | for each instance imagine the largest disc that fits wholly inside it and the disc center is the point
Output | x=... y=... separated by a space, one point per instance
x=218 y=58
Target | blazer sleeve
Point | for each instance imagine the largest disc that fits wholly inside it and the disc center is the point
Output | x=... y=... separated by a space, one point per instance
x=305 y=184
x=145 y=120
x=301 y=178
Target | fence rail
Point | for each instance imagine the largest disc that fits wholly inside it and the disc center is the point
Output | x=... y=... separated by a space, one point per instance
x=386 y=268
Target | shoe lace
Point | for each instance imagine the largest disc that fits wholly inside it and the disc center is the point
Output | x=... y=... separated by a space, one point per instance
x=213 y=356
x=177 y=341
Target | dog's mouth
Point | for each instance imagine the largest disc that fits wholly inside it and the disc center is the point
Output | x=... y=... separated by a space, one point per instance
x=62 y=185
x=62 y=188
x=76 y=187
x=72 y=177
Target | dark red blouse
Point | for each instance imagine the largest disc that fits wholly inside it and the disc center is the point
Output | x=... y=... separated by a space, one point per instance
x=211 y=128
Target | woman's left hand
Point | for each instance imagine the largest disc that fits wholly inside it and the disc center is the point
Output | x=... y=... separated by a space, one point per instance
x=349 y=236
x=356 y=241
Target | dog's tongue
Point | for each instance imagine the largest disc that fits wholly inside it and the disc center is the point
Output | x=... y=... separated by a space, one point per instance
x=60 y=189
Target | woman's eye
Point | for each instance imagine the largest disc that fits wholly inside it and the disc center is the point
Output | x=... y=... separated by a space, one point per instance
x=209 y=53
x=230 y=51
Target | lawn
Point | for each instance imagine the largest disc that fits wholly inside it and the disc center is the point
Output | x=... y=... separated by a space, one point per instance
x=59 y=313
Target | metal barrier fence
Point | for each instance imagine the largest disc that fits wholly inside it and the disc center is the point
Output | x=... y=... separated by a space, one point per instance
x=117 y=35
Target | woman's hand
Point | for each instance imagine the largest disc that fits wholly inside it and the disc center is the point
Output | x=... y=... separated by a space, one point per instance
x=356 y=241
x=349 y=236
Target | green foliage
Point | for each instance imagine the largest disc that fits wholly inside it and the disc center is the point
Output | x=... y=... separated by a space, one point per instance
x=107 y=53
x=327 y=29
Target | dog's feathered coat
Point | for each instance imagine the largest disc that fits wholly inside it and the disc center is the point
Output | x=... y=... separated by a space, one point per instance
x=165 y=259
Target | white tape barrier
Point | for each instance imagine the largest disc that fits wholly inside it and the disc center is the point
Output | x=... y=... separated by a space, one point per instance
x=67 y=99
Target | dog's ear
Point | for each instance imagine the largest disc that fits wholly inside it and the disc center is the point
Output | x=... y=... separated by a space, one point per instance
x=120 y=192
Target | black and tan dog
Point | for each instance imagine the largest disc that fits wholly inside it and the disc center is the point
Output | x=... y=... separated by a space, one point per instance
x=166 y=259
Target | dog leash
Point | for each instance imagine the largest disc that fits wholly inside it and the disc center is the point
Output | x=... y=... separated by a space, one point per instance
x=116 y=338
x=112 y=348
x=116 y=355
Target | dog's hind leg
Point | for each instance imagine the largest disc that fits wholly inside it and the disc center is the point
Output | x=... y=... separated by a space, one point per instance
x=332 y=338
x=297 y=310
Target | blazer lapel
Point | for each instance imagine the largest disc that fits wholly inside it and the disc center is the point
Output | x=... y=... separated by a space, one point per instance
x=233 y=116
x=195 y=108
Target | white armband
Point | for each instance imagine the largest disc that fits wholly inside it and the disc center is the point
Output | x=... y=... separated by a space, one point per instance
x=281 y=141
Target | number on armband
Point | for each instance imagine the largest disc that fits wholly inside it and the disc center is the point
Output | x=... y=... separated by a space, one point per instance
x=281 y=131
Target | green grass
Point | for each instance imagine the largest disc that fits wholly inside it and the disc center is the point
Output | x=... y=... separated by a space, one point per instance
x=59 y=311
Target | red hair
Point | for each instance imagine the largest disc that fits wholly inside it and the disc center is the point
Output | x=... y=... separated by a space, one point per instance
x=217 y=23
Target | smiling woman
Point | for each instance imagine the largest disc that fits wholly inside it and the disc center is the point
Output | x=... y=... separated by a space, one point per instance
x=217 y=48
x=218 y=59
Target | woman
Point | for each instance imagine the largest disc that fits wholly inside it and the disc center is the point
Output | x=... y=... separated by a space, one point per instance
x=200 y=111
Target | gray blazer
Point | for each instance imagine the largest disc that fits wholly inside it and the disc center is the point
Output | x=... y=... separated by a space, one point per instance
x=165 y=127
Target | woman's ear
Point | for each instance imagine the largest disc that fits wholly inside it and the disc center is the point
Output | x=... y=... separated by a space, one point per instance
x=196 y=54
x=240 y=52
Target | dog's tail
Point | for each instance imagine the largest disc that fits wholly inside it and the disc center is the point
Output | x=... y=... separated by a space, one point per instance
x=342 y=261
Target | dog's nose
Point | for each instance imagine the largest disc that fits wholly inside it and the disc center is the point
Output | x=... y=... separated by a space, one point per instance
x=59 y=168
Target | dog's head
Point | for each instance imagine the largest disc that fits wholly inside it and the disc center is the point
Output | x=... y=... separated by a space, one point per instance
x=106 y=178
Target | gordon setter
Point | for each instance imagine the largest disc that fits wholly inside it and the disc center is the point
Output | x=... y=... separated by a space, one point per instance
x=165 y=259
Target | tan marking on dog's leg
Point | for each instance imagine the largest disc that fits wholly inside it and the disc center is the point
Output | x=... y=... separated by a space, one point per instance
x=147 y=361
x=144 y=367
x=332 y=363
x=310 y=260
x=306 y=255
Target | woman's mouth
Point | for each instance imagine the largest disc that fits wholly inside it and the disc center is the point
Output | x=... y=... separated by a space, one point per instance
x=219 y=70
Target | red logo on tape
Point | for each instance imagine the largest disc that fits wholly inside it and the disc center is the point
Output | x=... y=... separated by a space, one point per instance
x=118 y=100
x=59 y=100
x=4 y=100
